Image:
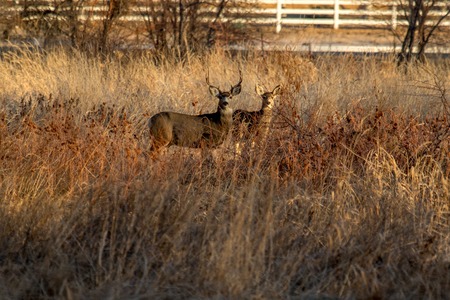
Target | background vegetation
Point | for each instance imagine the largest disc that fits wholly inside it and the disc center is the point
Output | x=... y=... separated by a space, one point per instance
x=100 y=27
x=347 y=198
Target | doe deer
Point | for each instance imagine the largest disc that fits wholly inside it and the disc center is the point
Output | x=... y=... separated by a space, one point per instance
x=247 y=124
x=195 y=131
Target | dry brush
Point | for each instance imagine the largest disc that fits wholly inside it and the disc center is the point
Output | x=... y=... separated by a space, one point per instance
x=348 y=197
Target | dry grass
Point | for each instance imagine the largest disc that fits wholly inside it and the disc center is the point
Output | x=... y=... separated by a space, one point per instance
x=347 y=198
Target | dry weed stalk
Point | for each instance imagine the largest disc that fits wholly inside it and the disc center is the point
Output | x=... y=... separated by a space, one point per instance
x=347 y=200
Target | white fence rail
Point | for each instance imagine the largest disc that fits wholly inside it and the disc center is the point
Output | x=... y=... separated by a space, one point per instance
x=277 y=13
x=349 y=13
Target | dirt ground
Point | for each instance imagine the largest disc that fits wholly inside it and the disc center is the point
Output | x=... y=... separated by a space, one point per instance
x=346 y=36
x=330 y=39
x=333 y=36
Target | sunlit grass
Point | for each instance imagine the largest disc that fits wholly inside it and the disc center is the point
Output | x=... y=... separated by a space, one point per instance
x=348 y=197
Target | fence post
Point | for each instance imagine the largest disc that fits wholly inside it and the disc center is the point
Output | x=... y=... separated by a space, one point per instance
x=394 y=16
x=279 y=8
x=336 y=14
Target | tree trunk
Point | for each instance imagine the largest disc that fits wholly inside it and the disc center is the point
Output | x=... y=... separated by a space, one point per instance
x=408 y=42
x=210 y=39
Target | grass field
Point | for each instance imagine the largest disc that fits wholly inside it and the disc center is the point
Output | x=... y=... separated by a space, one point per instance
x=347 y=198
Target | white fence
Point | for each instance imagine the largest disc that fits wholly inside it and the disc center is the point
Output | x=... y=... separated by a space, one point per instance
x=277 y=13
x=338 y=13
x=335 y=13
x=349 y=13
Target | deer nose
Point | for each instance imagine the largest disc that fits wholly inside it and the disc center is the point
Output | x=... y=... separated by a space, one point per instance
x=225 y=100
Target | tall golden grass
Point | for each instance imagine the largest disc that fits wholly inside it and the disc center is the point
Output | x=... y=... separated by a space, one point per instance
x=347 y=198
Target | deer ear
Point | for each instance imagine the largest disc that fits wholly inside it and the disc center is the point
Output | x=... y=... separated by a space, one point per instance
x=259 y=89
x=236 y=90
x=214 y=91
x=276 y=90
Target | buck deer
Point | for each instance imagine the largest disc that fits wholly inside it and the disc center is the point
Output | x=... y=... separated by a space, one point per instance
x=248 y=124
x=195 y=131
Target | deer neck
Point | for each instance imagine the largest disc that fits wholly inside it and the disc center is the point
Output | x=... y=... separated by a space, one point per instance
x=265 y=115
x=266 y=110
x=226 y=115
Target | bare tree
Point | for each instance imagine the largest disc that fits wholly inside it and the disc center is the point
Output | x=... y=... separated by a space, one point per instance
x=184 y=25
x=423 y=20
x=171 y=26
x=115 y=9
x=8 y=18
x=73 y=25
x=47 y=21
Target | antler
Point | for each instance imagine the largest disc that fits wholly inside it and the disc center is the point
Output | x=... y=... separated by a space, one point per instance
x=240 y=79
x=207 y=81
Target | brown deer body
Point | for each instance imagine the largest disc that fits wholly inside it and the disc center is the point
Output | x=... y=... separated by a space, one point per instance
x=195 y=131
